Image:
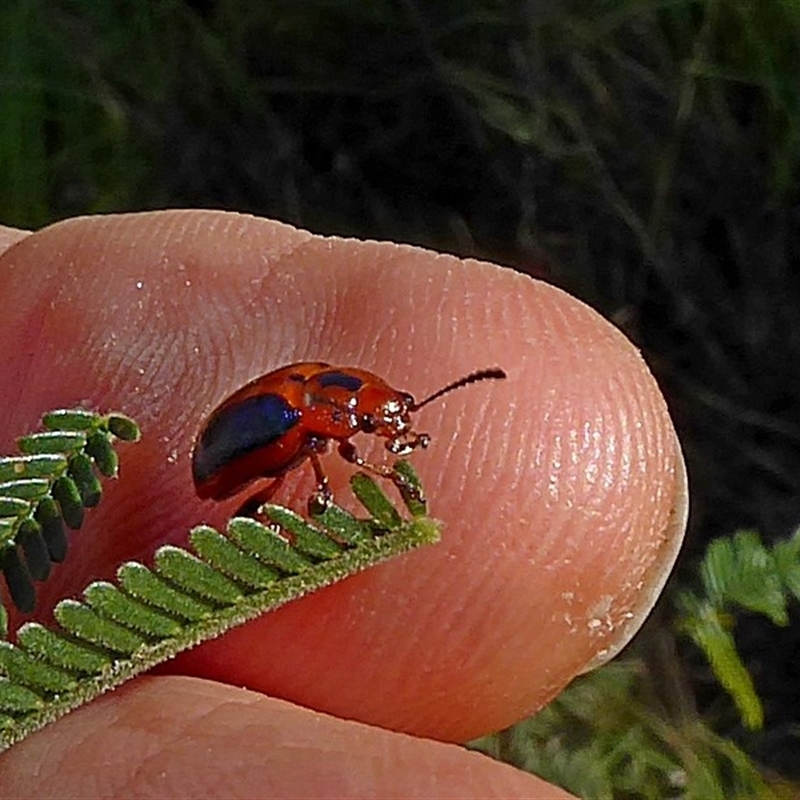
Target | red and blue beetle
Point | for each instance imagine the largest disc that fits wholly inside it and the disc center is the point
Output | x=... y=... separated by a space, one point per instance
x=276 y=422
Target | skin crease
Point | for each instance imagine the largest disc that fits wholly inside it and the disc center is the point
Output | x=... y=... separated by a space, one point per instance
x=561 y=490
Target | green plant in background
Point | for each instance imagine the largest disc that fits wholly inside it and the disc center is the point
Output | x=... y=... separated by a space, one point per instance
x=72 y=77
x=608 y=737
x=148 y=615
x=107 y=107
x=739 y=574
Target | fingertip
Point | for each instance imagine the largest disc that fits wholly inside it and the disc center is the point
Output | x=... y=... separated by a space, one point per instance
x=10 y=236
x=172 y=737
x=556 y=486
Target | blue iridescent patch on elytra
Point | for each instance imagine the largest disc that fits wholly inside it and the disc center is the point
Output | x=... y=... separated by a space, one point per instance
x=240 y=429
x=341 y=380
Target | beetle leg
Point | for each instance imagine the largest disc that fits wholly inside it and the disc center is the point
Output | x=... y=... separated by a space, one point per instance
x=250 y=506
x=323 y=497
x=349 y=453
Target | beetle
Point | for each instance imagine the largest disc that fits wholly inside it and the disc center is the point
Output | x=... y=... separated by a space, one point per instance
x=290 y=415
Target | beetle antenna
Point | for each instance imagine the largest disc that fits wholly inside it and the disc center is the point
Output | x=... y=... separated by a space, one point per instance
x=494 y=373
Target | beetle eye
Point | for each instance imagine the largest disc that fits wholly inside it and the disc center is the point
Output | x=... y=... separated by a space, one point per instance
x=367 y=423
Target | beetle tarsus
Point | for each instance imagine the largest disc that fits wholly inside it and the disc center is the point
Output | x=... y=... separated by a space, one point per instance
x=349 y=453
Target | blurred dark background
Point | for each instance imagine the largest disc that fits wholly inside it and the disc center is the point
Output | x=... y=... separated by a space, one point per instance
x=642 y=154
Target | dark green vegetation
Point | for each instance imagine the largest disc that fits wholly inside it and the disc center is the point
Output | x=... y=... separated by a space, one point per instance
x=643 y=154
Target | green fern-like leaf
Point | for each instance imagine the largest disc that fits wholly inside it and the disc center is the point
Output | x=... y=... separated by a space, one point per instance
x=149 y=614
x=742 y=571
x=739 y=572
x=118 y=630
x=710 y=629
x=47 y=488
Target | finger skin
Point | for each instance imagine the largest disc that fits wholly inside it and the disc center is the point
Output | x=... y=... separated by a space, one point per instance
x=186 y=738
x=560 y=489
x=9 y=236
